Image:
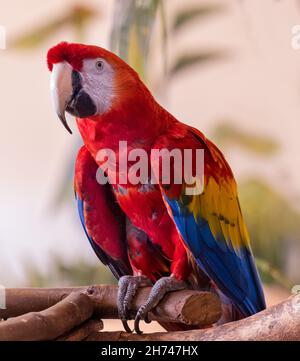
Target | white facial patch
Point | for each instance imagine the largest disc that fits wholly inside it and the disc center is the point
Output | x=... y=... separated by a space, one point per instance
x=98 y=82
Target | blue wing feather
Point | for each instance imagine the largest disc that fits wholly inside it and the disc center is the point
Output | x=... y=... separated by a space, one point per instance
x=118 y=271
x=233 y=272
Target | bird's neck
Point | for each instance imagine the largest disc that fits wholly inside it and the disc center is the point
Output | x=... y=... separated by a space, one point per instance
x=138 y=123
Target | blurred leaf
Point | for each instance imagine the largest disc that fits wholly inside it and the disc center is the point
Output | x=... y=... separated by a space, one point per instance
x=227 y=134
x=132 y=29
x=186 y=16
x=189 y=60
x=272 y=222
x=77 y=17
x=135 y=55
x=268 y=271
x=165 y=37
x=122 y=22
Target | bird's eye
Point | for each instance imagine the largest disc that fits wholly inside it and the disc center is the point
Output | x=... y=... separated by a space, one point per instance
x=99 y=65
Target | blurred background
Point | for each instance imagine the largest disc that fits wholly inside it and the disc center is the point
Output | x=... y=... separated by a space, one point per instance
x=226 y=67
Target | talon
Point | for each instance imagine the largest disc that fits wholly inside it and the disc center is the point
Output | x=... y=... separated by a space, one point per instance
x=142 y=314
x=137 y=324
x=146 y=319
x=158 y=291
x=126 y=327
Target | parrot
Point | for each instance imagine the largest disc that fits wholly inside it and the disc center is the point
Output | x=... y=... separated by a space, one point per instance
x=150 y=233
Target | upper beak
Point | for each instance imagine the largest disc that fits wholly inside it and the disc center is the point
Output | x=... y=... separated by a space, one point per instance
x=61 y=90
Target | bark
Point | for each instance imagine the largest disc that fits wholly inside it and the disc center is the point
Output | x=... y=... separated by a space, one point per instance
x=188 y=307
x=277 y=323
x=83 y=331
x=50 y=323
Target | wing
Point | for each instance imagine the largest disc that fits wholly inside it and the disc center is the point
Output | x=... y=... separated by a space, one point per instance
x=211 y=223
x=101 y=217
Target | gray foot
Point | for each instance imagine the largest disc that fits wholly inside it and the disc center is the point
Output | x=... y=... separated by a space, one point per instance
x=161 y=287
x=128 y=286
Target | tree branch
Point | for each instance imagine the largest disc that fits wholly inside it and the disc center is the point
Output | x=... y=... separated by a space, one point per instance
x=81 y=332
x=277 y=323
x=50 y=323
x=66 y=315
x=188 y=307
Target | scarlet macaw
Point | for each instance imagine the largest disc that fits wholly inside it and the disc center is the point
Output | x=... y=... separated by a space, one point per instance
x=151 y=233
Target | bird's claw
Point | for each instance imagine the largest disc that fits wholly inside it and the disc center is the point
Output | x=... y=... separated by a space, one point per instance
x=126 y=326
x=128 y=286
x=158 y=291
x=141 y=314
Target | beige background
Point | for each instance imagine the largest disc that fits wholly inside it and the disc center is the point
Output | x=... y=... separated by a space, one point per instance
x=258 y=87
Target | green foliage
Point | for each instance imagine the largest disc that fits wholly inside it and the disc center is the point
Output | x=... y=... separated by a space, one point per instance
x=271 y=274
x=271 y=221
x=227 y=134
x=77 y=17
x=132 y=29
x=185 y=17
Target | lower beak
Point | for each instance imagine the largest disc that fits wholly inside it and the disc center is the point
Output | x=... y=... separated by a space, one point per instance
x=61 y=90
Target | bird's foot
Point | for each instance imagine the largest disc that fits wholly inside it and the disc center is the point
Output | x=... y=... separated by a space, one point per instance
x=128 y=286
x=158 y=291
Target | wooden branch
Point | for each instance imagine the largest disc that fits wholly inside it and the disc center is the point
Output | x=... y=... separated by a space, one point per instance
x=277 y=323
x=83 y=331
x=63 y=314
x=50 y=323
x=188 y=307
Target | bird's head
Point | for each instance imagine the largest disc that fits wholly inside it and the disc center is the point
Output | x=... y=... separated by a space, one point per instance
x=88 y=81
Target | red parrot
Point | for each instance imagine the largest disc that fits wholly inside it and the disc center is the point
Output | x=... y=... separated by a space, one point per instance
x=147 y=232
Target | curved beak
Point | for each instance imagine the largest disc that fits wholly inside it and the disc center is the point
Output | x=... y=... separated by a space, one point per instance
x=61 y=90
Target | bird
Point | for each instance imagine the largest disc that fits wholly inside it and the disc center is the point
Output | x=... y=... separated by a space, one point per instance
x=168 y=234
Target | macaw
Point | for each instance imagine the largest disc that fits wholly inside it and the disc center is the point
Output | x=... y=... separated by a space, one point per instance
x=151 y=234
